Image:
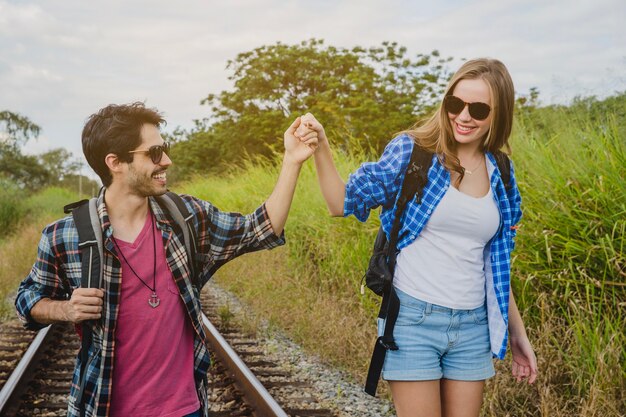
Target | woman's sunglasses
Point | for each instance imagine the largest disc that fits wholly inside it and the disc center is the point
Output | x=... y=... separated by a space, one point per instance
x=156 y=152
x=478 y=110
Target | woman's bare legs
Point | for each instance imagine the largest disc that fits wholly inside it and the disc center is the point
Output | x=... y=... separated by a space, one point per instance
x=438 y=398
x=461 y=398
x=416 y=398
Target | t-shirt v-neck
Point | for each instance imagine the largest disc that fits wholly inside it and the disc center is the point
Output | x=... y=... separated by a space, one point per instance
x=145 y=231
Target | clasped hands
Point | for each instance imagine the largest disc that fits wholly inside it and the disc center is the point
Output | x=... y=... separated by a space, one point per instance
x=303 y=137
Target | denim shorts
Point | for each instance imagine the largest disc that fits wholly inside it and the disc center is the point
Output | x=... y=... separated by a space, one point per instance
x=437 y=342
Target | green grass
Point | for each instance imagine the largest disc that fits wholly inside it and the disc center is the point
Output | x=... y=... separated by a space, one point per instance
x=18 y=247
x=571 y=245
x=11 y=205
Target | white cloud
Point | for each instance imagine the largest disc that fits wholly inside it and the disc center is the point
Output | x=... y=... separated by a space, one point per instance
x=22 y=19
x=26 y=73
x=63 y=60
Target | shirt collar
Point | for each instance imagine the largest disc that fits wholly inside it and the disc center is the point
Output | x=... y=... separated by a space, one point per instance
x=103 y=214
x=163 y=221
x=491 y=164
x=162 y=218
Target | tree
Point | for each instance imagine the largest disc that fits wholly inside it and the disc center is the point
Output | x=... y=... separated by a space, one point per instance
x=59 y=163
x=16 y=130
x=363 y=94
x=64 y=171
x=23 y=170
x=56 y=167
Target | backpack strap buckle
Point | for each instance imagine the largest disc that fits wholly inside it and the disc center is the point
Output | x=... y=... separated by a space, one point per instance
x=388 y=344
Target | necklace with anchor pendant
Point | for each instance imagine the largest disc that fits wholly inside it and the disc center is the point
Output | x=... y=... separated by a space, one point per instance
x=154 y=299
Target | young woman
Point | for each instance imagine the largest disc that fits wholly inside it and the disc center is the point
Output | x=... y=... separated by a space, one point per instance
x=453 y=269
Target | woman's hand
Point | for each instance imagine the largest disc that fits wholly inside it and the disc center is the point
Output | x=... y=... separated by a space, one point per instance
x=332 y=186
x=524 y=360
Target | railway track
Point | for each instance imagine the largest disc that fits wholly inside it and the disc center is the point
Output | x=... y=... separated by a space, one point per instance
x=296 y=397
x=36 y=370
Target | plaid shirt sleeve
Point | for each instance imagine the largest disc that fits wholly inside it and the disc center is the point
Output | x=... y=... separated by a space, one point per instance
x=223 y=236
x=43 y=281
x=377 y=183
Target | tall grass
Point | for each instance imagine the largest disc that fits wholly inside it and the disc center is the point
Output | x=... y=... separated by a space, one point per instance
x=569 y=270
x=11 y=205
x=18 y=247
x=570 y=250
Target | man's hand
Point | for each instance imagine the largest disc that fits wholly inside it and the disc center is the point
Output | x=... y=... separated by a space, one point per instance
x=299 y=149
x=85 y=304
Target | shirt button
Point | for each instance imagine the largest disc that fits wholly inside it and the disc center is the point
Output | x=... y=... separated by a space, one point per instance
x=429 y=211
x=412 y=236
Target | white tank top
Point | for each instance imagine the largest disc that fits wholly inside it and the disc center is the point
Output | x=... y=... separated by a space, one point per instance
x=445 y=264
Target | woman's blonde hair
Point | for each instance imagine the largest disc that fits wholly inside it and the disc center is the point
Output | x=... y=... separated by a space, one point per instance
x=436 y=135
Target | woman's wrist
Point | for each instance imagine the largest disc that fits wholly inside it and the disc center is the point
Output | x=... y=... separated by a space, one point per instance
x=518 y=333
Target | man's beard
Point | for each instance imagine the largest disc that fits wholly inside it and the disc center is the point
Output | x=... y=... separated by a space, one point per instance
x=143 y=185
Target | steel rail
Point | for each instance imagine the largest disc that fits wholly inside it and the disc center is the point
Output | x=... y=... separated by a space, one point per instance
x=257 y=396
x=14 y=386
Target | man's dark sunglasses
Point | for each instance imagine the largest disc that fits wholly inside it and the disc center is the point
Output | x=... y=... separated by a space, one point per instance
x=156 y=152
x=478 y=110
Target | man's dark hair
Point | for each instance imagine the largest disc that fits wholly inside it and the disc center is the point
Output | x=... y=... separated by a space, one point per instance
x=115 y=129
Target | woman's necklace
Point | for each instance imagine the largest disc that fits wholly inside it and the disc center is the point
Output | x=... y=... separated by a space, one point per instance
x=470 y=172
x=154 y=300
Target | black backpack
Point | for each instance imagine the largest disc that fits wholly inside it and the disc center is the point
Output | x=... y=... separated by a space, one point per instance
x=379 y=274
x=85 y=214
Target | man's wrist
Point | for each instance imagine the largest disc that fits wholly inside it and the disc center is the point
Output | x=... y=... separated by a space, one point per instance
x=48 y=311
x=291 y=162
x=64 y=306
x=59 y=311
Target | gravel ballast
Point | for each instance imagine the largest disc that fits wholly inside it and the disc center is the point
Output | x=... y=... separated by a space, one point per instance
x=336 y=389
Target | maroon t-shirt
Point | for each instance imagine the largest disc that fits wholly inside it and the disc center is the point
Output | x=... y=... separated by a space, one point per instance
x=153 y=369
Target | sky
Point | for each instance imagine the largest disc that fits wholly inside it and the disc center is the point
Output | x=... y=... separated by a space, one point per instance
x=62 y=60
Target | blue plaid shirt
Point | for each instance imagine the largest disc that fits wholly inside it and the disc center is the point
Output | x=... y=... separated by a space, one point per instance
x=378 y=183
x=221 y=237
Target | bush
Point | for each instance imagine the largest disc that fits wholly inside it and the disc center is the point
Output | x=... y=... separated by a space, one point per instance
x=12 y=206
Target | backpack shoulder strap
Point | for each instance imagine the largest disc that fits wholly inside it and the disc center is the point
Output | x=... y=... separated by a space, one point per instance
x=415 y=180
x=87 y=222
x=504 y=165
x=178 y=210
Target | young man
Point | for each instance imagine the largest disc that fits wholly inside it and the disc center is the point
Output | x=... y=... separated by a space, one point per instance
x=149 y=354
